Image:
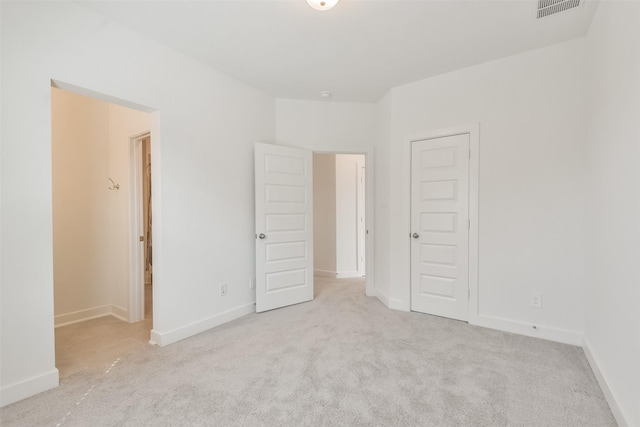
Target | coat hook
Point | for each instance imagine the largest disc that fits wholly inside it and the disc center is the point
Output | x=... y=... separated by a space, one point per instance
x=114 y=186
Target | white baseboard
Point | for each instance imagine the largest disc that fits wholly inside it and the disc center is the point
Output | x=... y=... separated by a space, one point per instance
x=27 y=388
x=392 y=303
x=604 y=385
x=91 y=313
x=177 y=334
x=120 y=313
x=347 y=274
x=398 y=304
x=370 y=293
x=382 y=297
x=545 y=332
x=324 y=273
x=81 y=315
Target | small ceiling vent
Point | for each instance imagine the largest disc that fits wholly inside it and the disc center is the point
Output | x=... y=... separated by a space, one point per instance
x=551 y=7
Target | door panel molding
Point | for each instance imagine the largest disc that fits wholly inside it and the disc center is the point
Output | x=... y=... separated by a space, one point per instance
x=284 y=226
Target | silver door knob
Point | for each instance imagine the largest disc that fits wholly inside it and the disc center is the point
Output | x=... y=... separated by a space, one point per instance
x=261 y=235
x=415 y=235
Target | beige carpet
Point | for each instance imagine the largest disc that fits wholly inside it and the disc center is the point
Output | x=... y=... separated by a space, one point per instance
x=341 y=360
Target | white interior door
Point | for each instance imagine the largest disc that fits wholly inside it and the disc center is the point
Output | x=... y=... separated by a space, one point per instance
x=440 y=226
x=284 y=226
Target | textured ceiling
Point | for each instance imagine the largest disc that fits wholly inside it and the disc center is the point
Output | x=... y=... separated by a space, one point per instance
x=358 y=50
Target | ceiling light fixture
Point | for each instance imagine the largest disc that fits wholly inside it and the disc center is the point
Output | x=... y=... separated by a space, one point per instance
x=325 y=95
x=322 y=4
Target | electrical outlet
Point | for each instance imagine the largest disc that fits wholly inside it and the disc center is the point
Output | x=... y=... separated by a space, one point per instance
x=536 y=300
x=252 y=283
x=223 y=289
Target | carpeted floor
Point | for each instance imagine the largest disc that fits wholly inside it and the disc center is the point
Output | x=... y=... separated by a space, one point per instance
x=341 y=360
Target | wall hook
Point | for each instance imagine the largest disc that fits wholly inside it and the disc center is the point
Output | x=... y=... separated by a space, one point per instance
x=114 y=186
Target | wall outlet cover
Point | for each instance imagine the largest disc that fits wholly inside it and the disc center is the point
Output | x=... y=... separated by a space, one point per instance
x=536 y=300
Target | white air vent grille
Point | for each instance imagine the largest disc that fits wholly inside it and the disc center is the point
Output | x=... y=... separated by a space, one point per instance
x=550 y=7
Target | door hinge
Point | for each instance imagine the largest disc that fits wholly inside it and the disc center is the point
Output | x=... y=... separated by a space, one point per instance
x=469 y=224
x=468 y=292
x=469 y=153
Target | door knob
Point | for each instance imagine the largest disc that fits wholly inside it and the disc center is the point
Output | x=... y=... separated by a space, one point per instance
x=261 y=235
x=415 y=235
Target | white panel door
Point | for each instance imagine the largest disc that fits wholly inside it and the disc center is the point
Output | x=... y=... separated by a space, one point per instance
x=284 y=226
x=439 y=226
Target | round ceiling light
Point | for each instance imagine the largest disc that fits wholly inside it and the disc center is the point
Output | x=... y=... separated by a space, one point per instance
x=322 y=4
x=326 y=95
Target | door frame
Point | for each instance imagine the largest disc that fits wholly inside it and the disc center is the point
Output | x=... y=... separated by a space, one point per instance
x=136 y=227
x=361 y=230
x=368 y=153
x=473 y=130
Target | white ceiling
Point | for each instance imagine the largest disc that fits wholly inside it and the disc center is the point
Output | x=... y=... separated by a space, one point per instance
x=358 y=50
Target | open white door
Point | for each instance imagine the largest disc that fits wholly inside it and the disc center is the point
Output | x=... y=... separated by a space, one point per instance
x=440 y=226
x=284 y=226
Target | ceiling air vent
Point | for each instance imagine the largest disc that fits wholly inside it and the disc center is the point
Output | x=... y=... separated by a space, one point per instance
x=551 y=7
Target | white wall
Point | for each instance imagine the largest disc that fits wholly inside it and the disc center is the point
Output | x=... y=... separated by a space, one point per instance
x=347 y=214
x=324 y=214
x=383 y=120
x=612 y=317
x=203 y=131
x=318 y=124
x=532 y=130
x=90 y=143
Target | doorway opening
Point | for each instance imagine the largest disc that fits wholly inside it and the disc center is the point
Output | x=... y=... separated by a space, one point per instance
x=141 y=287
x=94 y=315
x=339 y=224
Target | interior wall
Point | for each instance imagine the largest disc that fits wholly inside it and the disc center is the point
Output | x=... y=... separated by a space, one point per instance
x=81 y=206
x=325 y=124
x=612 y=317
x=324 y=214
x=531 y=110
x=383 y=120
x=347 y=213
x=204 y=125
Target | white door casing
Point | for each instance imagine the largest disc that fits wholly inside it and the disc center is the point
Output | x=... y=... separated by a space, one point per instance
x=440 y=226
x=361 y=226
x=136 y=265
x=284 y=226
